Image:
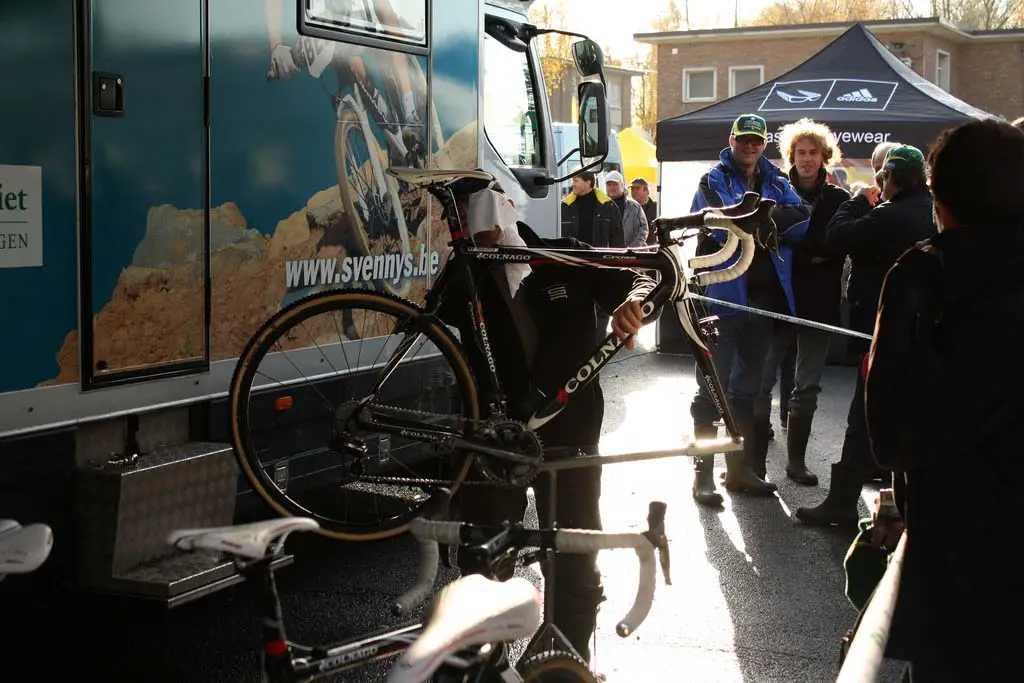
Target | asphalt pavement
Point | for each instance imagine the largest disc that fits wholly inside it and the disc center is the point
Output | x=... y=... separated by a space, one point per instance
x=756 y=597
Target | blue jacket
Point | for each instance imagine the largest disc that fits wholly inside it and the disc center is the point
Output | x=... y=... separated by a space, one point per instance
x=725 y=185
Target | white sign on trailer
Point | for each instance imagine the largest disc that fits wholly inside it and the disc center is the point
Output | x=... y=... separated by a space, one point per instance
x=21 y=216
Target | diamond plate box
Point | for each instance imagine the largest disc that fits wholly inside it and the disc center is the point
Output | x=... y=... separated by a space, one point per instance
x=124 y=513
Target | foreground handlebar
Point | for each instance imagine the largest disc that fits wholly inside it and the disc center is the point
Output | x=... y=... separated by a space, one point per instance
x=429 y=533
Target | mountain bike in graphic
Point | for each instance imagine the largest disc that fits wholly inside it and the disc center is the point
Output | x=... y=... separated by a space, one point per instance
x=377 y=221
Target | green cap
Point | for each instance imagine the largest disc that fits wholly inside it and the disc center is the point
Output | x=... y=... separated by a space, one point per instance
x=750 y=124
x=904 y=156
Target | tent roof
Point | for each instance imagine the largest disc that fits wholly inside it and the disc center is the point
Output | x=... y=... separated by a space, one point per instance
x=854 y=84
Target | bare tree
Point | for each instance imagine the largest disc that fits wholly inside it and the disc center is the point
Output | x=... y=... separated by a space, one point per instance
x=986 y=15
x=645 y=105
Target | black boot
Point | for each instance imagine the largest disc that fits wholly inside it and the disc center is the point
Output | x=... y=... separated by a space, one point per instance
x=739 y=477
x=840 y=505
x=796 y=443
x=758 y=455
x=704 y=470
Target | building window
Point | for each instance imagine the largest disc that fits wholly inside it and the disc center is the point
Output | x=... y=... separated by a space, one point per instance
x=744 y=78
x=942 y=69
x=700 y=85
x=614 y=104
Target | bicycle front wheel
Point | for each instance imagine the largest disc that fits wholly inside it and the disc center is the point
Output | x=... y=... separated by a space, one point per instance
x=303 y=377
x=555 y=666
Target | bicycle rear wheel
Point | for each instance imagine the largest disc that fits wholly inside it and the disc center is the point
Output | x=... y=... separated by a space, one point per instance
x=291 y=404
x=554 y=666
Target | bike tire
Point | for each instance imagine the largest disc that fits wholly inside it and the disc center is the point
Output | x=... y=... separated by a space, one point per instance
x=349 y=120
x=555 y=666
x=273 y=329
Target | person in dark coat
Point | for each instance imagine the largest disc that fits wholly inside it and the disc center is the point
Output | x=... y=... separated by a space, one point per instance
x=809 y=148
x=538 y=335
x=874 y=236
x=949 y=309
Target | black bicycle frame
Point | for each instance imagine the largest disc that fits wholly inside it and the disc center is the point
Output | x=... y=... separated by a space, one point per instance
x=545 y=407
x=285 y=662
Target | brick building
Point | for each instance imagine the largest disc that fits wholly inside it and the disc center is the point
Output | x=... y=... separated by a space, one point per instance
x=620 y=96
x=699 y=68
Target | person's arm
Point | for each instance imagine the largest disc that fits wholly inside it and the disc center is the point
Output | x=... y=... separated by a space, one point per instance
x=907 y=405
x=855 y=224
x=791 y=213
x=639 y=236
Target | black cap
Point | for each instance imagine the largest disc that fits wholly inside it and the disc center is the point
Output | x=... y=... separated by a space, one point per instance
x=588 y=176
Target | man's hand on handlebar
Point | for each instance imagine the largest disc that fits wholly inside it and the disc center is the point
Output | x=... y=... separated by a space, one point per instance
x=627 y=320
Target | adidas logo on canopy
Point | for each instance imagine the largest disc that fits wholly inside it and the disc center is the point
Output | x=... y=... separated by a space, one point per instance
x=862 y=95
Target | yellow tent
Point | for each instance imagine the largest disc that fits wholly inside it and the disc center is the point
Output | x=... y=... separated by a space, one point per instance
x=638 y=157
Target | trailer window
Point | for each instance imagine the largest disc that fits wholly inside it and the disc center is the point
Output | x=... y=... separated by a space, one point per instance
x=401 y=21
x=511 y=119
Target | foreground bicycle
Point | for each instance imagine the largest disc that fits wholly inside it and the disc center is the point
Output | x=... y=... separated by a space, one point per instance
x=404 y=417
x=472 y=617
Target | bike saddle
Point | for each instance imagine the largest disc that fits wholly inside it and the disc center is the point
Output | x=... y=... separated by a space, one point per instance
x=23 y=548
x=244 y=540
x=470 y=611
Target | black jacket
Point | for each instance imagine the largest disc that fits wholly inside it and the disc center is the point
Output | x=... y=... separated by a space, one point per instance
x=817 y=286
x=944 y=408
x=607 y=223
x=551 y=335
x=874 y=239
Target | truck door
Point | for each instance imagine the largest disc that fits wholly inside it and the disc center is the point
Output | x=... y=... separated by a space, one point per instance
x=145 y=203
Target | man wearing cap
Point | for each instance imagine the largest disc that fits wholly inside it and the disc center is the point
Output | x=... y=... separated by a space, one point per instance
x=589 y=215
x=874 y=228
x=743 y=338
x=641 y=192
x=634 y=221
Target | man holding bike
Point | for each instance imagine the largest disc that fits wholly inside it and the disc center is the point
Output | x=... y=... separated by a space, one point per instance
x=744 y=338
x=539 y=326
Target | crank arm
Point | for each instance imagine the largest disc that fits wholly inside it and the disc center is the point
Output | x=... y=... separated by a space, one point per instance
x=480 y=449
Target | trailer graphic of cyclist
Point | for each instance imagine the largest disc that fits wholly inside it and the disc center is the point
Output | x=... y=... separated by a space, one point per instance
x=379 y=102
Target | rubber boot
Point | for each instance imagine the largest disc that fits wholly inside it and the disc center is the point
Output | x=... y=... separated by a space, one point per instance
x=704 y=470
x=758 y=457
x=840 y=505
x=739 y=477
x=796 y=444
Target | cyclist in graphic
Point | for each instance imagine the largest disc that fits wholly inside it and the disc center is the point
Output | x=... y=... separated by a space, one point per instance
x=371 y=210
x=377 y=16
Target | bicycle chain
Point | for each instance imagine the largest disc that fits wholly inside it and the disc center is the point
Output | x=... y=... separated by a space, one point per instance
x=488 y=480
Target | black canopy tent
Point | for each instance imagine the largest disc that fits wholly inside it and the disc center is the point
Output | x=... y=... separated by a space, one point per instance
x=854 y=84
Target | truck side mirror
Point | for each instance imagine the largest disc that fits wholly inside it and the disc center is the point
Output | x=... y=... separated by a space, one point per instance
x=593 y=122
x=588 y=57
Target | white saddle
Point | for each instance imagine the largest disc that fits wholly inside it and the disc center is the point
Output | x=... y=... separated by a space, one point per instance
x=422 y=177
x=23 y=548
x=244 y=540
x=472 y=610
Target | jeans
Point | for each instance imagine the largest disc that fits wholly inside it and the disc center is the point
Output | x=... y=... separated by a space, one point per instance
x=577 y=584
x=811 y=354
x=739 y=356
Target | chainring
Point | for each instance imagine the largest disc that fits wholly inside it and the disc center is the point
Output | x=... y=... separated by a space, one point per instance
x=513 y=436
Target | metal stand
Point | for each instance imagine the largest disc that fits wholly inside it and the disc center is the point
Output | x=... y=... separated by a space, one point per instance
x=548 y=636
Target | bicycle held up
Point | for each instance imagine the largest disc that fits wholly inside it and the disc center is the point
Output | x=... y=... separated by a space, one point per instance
x=405 y=418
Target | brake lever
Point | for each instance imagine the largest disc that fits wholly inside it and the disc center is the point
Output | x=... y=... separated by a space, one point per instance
x=656 y=535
